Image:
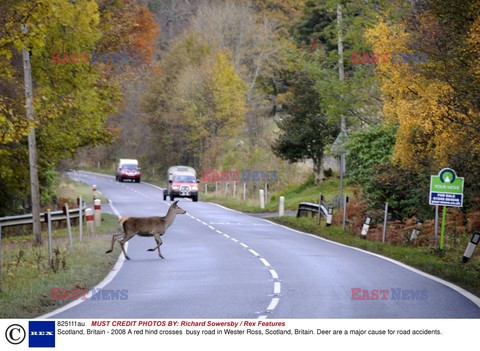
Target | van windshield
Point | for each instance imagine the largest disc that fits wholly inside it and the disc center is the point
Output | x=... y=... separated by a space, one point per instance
x=135 y=167
x=184 y=179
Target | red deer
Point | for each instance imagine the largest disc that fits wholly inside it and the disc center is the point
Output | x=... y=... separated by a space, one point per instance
x=146 y=226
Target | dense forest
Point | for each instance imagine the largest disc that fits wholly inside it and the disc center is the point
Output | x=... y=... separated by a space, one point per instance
x=257 y=84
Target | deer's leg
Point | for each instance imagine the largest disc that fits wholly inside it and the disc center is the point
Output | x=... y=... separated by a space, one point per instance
x=159 y=242
x=123 y=241
x=114 y=237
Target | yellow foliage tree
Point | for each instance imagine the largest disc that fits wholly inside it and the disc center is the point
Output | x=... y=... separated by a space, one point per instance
x=430 y=131
x=211 y=103
x=229 y=95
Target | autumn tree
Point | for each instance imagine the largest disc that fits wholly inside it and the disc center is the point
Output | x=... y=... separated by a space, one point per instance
x=357 y=96
x=72 y=99
x=128 y=27
x=167 y=132
x=234 y=26
x=305 y=131
x=282 y=13
x=203 y=104
x=173 y=17
x=211 y=101
x=435 y=102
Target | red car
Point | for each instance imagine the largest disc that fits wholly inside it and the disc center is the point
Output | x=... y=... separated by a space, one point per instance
x=129 y=171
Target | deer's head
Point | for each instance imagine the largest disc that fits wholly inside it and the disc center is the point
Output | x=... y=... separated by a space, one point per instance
x=177 y=209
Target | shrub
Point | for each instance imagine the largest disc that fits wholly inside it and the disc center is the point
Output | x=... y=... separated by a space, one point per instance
x=405 y=191
x=368 y=148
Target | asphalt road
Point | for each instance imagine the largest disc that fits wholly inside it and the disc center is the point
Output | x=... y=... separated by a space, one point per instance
x=221 y=263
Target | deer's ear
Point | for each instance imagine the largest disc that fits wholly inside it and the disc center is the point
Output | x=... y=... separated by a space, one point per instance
x=175 y=203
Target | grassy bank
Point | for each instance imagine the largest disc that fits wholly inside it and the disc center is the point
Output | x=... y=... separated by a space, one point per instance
x=27 y=278
x=71 y=189
x=447 y=266
x=293 y=194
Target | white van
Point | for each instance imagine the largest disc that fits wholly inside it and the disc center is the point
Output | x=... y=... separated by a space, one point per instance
x=182 y=182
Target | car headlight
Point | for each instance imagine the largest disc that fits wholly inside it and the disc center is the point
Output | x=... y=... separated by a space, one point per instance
x=175 y=187
x=194 y=187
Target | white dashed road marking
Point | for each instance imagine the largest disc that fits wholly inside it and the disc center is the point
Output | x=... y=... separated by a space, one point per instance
x=277 y=287
x=253 y=252
x=276 y=282
x=265 y=262
x=273 y=304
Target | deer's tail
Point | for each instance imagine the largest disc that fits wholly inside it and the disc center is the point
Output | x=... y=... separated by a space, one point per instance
x=122 y=220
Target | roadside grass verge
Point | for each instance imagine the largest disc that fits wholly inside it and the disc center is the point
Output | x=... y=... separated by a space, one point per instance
x=27 y=278
x=71 y=189
x=447 y=266
x=250 y=205
x=306 y=192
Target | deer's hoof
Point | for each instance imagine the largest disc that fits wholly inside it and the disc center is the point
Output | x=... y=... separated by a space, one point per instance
x=151 y=250
x=128 y=258
x=108 y=251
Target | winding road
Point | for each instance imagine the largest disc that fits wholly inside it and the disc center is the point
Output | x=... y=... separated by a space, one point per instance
x=221 y=263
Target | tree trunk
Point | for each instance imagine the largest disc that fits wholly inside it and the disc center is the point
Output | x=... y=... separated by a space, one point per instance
x=32 y=146
x=318 y=169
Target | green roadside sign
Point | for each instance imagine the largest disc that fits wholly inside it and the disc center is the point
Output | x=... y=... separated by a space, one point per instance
x=446 y=189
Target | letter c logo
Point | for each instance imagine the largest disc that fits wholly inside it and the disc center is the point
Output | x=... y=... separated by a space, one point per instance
x=15 y=334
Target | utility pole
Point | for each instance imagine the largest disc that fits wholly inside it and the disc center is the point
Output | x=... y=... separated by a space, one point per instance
x=32 y=147
x=341 y=76
x=341 y=70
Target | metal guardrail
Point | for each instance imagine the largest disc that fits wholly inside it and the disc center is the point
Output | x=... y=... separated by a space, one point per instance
x=12 y=221
x=312 y=208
